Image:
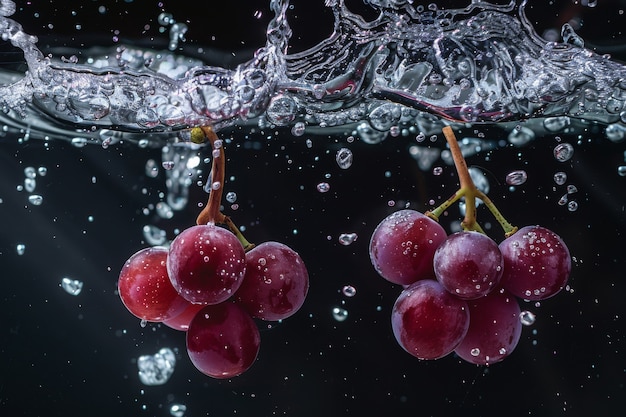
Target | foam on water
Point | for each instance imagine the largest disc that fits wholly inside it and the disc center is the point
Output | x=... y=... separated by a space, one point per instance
x=409 y=66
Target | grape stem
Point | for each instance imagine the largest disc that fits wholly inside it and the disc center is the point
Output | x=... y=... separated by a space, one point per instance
x=468 y=190
x=211 y=213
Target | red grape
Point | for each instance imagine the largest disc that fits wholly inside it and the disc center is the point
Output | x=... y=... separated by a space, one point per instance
x=181 y=321
x=494 y=330
x=468 y=264
x=206 y=264
x=145 y=288
x=403 y=245
x=537 y=263
x=428 y=321
x=223 y=340
x=276 y=282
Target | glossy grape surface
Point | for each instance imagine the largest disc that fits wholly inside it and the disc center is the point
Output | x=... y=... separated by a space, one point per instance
x=223 y=340
x=537 y=263
x=181 y=321
x=468 y=264
x=145 y=288
x=428 y=321
x=494 y=331
x=206 y=264
x=276 y=282
x=403 y=245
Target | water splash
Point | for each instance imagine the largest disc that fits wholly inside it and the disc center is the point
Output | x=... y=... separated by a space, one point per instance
x=480 y=64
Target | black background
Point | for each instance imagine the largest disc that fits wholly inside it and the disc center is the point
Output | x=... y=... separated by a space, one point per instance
x=63 y=356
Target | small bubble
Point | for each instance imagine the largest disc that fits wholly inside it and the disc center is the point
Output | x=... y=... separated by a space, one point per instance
x=621 y=171
x=35 y=199
x=20 y=248
x=340 y=314
x=518 y=177
x=152 y=169
x=475 y=352
x=323 y=187
x=344 y=158
x=178 y=410
x=168 y=165
x=560 y=178
x=527 y=318
x=348 y=291
x=563 y=152
x=572 y=206
x=571 y=189
x=347 y=238
x=437 y=170
x=298 y=129
x=71 y=286
x=231 y=197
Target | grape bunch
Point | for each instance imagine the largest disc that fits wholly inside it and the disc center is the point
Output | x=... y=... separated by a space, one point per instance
x=213 y=284
x=461 y=291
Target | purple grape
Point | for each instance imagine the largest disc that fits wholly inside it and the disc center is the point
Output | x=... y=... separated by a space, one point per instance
x=428 y=321
x=403 y=245
x=206 y=264
x=468 y=264
x=275 y=284
x=494 y=331
x=222 y=340
x=537 y=263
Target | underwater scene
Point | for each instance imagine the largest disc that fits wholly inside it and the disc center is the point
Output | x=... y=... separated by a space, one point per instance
x=313 y=208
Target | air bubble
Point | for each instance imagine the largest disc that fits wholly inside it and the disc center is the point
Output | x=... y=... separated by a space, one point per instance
x=560 y=178
x=71 y=286
x=231 y=197
x=527 y=318
x=323 y=187
x=348 y=291
x=563 y=152
x=340 y=314
x=347 y=238
x=344 y=158
x=518 y=177
x=20 y=249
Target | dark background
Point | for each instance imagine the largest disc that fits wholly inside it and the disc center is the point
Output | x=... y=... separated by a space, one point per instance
x=76 y=356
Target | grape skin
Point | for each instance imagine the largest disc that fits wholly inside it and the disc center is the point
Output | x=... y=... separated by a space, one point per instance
x=494 y=331
x=223 y=340
x=537 y=263
x=403 y=245
x=145 y=288
x=275 y=284
x=181 y=321
x=468 y=264
x=427 y=321
x=206 y=264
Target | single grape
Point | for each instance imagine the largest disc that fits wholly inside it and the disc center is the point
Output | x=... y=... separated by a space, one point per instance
x=181 y=321
x=403 y=245
x=468 y=264
x=223 y=340
x=275 y=284
x=428 y=321
x=494 y=331
x=206 y=264
x=145 y=288
x=537 y=263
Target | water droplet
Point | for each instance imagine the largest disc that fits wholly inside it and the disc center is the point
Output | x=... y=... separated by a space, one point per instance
x=437 y=170
x=158 y=368
x=560 y=178
x=340 y=314
x=323 y=187
x=344 y=158
x=20 y=248
x=571 y=189
x=168 y=165
x=347 y=238
x=527 y=318
x=518 y=177
x=152 y=169
x=231 y=197
x=71 y=286
x=475 y=352
x=35 y=199
x=298 y=129
x=348 y=291
x=30 y=172
x=153 y=235
x=178 y=410
x=621 y=171
x=563 y=152
x=572 y=206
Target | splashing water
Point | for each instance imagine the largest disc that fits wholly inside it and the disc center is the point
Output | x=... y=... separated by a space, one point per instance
x=480 y=64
